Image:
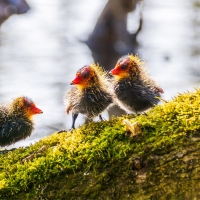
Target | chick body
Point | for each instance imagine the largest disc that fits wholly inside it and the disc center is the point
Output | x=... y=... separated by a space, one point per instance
x=16 y=120
x=91 y=95
x=135 y=91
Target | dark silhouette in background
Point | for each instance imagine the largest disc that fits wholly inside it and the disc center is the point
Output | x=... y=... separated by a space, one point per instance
x=110 y=38
x=10 y=7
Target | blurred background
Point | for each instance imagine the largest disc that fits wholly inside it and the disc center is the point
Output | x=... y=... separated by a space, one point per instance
x=41 y=50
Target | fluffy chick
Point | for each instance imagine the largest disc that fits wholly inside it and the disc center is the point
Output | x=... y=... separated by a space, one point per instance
x=135 y=91
x=91 y=94
x=16 y=120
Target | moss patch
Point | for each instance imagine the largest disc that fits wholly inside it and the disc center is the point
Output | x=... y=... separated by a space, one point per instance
x=95 y=161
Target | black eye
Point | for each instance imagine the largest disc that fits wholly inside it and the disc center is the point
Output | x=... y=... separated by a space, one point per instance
x=124 y=66
x=85 y=74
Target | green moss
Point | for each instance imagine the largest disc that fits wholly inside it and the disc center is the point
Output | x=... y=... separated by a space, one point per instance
x=95 y=161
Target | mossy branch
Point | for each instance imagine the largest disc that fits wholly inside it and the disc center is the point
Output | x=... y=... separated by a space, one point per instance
x=101 y=161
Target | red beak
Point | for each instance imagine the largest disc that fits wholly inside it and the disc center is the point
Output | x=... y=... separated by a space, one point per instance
x=37 y=110
x=114 y=71
x=77 y=80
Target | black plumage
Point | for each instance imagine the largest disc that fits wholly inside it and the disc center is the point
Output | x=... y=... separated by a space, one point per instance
x=134 y=90
x=16 y=120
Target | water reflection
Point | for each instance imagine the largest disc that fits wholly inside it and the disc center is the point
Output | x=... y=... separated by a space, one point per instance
x=195 y=38
x=40 y=52
x=166 y=44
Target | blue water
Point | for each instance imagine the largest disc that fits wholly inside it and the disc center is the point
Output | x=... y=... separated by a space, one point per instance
x=40 y=53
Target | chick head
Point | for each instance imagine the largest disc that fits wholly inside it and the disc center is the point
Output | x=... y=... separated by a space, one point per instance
x=127 y=66
x=25 y=105
x=86 y=77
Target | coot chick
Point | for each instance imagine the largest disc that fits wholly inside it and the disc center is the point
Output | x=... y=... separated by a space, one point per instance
x=91 y=94
x=135 y=91
x=16 y=121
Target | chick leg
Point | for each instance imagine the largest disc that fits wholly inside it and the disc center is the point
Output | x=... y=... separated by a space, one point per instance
x=100 y=117
x=74 y=117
